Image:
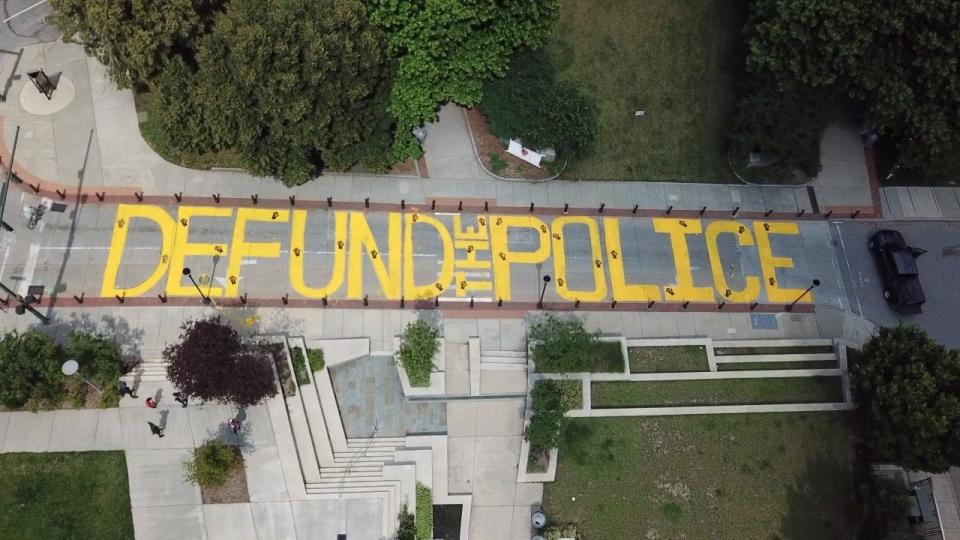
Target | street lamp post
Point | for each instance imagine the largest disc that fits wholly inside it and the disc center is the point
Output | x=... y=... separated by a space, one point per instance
x=546 y=280
x=816 y=283
x=71 y=367
x=206 y=299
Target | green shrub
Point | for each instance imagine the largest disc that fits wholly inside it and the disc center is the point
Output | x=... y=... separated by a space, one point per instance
x=497 y=164
x=424 y=519
x=561 y=345
x=417 y=350
x=407 y=529
x=212 y=463
x=30 y=370
x=109 y=397
x=315 y=357
x=299 y=365
x=551 y=401
x=531 y=103
x=100 y=358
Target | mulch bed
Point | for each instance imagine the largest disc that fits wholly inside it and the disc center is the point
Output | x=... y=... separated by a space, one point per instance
x=234 y=490
x=488 y=144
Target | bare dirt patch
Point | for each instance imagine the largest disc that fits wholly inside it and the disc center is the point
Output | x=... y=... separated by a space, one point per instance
x=233 y=490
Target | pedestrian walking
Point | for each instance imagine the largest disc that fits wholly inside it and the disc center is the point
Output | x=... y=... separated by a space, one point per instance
x=155 y=430
x=181 y=398
x=235 y=425
x=151 y=404
x=127 y=391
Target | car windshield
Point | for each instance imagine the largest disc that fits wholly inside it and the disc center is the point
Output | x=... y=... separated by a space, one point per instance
x=904 y=262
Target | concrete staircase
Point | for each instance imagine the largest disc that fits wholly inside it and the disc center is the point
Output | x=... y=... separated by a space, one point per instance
x=331 y=466
x=502 y=372
x=148 y=370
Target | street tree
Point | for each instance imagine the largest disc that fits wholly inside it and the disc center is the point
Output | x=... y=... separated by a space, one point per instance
x=99 y=357
x=446 y=50
x=900 y=61
x=30 y=370
x=213 y=363
x=133 y=38
x=908 y=387
x=294 y=89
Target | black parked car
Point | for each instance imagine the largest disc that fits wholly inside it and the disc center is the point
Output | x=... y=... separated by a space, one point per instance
x=897 y=265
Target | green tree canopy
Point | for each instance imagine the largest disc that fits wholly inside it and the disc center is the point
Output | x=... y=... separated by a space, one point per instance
x=908 y=387
x=531 y=103
x=294 y=86
x=448 y=48
x=30 y=369
x=133 y=38
x=899 y=60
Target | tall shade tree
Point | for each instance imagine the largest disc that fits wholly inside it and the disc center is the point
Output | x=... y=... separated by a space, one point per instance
x=908 y=387
x=30 y=369
x=213 y=363
x=448 y=48
x=900 y=60
x=133 y=38
x=294 y=86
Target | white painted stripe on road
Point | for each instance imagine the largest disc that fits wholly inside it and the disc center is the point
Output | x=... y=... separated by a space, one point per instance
x=29 y=269
x=22 y=11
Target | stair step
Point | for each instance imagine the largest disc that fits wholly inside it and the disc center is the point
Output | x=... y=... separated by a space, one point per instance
x=359 y=460
x=804 y=357
x=363 y=467
x=504 y=354
x=349 y=479
x=503 y=366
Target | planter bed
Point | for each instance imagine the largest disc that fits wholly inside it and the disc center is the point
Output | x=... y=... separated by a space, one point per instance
x=668 y=359
x=716 y=392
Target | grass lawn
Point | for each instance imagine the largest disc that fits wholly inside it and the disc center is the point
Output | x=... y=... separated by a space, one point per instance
x=677 y=61
x=64 y=495
x=606 y=356
x=718 y=476
x=716 y=392
x=668 y=359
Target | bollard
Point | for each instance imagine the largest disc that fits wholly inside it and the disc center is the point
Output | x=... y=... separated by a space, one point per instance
x=401 y=302
x=486 y=206
x=635 y=208
x=63 y=194
x=79 y=299
x=436 y=302
x=669 y=209
x=801 y=212
x=366 y=202
x=178 y=196
x=702 y=210
x=828 y=214
x=433 y=204
x=686 y=304
x=403 y=204
x=329 y=202
x=121 y=299
x=566 y=207
x=460 y=206
x=613 y=304
x=753 y=306
x=720 y=305
x=163 y=298
x=243 y=299
x=602 y=205
x=854 y=215
x=366 y=300
x=36 y=188
x=216 y=198
x=285 y=298
x=767 y=213
x=139 y=196
x=576 y=304
x=293 y=200
x=100 y=196
x=471 y=301
x=531 y=207
x=324 y=301
x=500 y=302
x=651 y=303
x=735 y=210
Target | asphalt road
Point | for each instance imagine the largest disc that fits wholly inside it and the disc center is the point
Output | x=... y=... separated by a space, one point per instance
x=939 y=275
x=25 y=29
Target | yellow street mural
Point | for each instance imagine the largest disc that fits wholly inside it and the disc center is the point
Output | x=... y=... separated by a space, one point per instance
x=472 y=255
